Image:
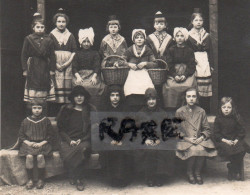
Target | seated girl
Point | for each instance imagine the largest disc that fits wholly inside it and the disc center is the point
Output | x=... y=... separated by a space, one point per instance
x=113 y=43
x=74 y=126
x=181 y=62
x=157 y=164
x=139 y=58
x=35 y=135
x=86 y=67
x=229 y=133
x=196 y=144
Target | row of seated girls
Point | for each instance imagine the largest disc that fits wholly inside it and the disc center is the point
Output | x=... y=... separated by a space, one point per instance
x=156 y=166
x=52 y=64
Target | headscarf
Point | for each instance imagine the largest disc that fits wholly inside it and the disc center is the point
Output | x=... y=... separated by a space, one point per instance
x=136 y=31
x=184 y=31
x=150 y=93
x=86 y=33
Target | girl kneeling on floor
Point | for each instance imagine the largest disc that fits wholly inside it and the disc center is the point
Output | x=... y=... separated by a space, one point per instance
x=34 y=135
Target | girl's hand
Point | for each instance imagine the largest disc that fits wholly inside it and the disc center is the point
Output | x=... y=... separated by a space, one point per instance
x=235 y=141
x=59 y=67
x=51 y=73
x=93 y=80
x=78 y=142
x=79 y=80
x=25 y=73
x=157 y=142
x=149 y=142
x=38 y=145
x=211 y=69
x=113 y=142
x=73 y=143
x=141 y=65
x=116 y=64
x=177 y=78
x=229 y=142
x=199 y=140
x=132 y=66
x=182 y=78
x=190 y=139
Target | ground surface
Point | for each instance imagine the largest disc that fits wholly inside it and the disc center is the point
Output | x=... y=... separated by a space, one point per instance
x=215 y=183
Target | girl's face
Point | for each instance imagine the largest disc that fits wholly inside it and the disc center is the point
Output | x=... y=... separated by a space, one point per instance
x=86 y=44
x=115 y=98
x=191 y=97
x=197 y=22
x=226 y=108
x=159 y=26
x=113 y=29
x=151 y=102
x=39 y=28
x=61 y=23
x=37 y=110
x=79 y=99
x=179 y=38
x=139 y=40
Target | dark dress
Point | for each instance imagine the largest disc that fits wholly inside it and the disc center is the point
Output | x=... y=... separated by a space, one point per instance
x=181 y=61
x=74 y=125
x=155 y=162
x=63 y=51
x=35 y=130
x=38 y=59
x=228 y=127
x=117 y=164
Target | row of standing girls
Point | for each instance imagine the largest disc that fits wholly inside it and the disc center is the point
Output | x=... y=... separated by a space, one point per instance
x=52 y=65
x=157 y=166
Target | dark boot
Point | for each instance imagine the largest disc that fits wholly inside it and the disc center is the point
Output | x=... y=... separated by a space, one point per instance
x=198 y=166
x=40 y=183
x=29 y=184
x=190 y=175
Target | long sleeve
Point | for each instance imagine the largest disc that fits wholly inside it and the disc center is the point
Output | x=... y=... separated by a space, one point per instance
x=21 y=134
x=205 y=126
x=24 y=55
x=61 y=124
x=217 y=130
x=50 y=135
x=170 y=62
x=103 y=49
x=96 y=63
x=241 y=133
x=151 y=59
x=52 y=57
x=210 y=52
x=191 y=64
x=73 y=43
x=75 y=64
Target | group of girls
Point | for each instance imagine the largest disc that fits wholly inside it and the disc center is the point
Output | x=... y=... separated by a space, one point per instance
x=52 y=64
x=55 y=71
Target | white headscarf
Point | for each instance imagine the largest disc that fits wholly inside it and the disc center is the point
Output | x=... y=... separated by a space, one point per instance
x=86 y=33
x=184 y=31
x=138 y=30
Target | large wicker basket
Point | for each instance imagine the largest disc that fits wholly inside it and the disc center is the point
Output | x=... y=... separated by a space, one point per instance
x=115 y=75
x=158 y=76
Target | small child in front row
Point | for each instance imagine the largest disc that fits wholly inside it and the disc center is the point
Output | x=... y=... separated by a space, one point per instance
x=34 y=135
x=229 y=133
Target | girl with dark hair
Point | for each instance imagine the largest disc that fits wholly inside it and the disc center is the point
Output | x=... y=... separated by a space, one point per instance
x=38 y=63
x=74 y=126
x=200 y=41
x=113 y=43
x=229 y=133
x=65 y=48
x=35 y=137
x=196 y=144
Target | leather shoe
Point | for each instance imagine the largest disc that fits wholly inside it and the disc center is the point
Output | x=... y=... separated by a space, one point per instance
x=29 y=185
x=40 y=184
x=199 y=179
x=191 y=179
x=79 y=185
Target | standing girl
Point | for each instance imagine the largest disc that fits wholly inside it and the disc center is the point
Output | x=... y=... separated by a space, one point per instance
x=229 y=133
x=86 y=67
x=196 y=144
x=160 y=40
x=113 y=43
x=34 y=135
x=139 y=58
x=200 y=41
x=65 y=48
x=74 y=126
x=181 y=62
x=38 y=63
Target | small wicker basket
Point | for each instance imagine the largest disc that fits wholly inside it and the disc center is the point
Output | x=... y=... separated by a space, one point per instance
x=115 y=75
x=158 y=76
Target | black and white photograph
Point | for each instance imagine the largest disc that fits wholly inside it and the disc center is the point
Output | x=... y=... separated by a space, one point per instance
x=117 y=97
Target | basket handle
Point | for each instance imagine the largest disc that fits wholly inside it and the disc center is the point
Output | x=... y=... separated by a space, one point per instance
x=106 y=58
x=160 y=60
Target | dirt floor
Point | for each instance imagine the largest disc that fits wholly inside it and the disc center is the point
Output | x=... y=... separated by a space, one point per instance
x=215 y=182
